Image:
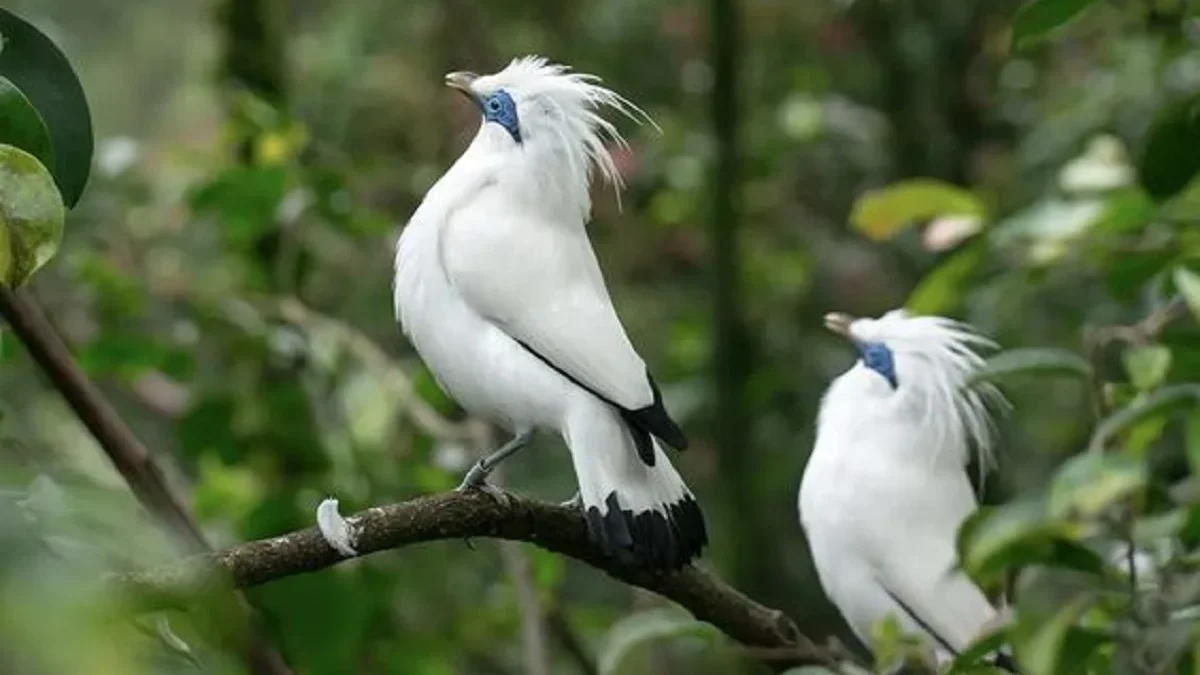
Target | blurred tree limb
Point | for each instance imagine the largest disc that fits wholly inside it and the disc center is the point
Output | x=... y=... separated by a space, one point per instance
x=733 y=351
x=462 y=515
x=127 y=453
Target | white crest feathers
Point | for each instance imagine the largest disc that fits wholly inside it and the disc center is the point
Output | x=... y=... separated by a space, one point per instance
x=936 y=358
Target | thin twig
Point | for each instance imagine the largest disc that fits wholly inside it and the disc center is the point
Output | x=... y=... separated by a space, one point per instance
x=1143 y=332
x=423 y=415
x=118 y=441
x=562 y=630
x=516 y=560
x=460 y=515
x=533 y=632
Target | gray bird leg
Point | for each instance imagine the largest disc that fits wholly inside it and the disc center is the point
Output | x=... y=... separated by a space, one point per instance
x=476 y=478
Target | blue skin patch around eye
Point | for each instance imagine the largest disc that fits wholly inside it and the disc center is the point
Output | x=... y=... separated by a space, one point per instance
x=500 y=108
x=877 y=357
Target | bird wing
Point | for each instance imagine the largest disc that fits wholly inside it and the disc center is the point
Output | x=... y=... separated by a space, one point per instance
x=940 y=599
x=540 y=283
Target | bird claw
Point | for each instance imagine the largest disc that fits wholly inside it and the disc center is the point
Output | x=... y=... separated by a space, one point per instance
x=336 y=530
x=501 y=497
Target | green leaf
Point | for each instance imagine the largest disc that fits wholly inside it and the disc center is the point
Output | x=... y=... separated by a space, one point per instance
x=1192 y=442
x=635 y=630
x=1049 y=647
x=1089 y=483
x=31 y=213
x=1033 y=362
x=880 y=214
x=1147 y=365
x=893 y=648
x=1141 y=436
x=996 y=540
x=1171 y=161
x=991 y=531
x=1151 y=530
x=245 y=199
x=1036 y=20
x=34 y=64
x=941 y=291
x=1160 y=402
x=21 y=126
x=979 y=649
x=1187 y=283
x=1127 y=210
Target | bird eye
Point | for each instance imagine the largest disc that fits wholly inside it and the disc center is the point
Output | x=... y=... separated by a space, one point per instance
x=493 y=105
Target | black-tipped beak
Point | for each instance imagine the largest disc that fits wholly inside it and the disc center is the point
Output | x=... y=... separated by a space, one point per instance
x=462 y=81
x=839 y=324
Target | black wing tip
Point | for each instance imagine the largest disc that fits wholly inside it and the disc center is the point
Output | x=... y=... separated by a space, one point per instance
x=658 y=540
x=644 y=444
x=655 y=420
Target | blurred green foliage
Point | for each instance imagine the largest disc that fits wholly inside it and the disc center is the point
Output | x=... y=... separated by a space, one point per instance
x=226 y=278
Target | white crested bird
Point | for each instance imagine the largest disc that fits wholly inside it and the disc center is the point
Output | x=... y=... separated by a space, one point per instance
x=887 y=486
x=498 y=289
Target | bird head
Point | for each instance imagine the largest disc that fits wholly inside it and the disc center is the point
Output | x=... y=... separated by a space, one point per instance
x=542 y=118
x=915 y=371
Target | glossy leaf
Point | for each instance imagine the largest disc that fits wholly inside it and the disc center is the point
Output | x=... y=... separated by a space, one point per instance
x=34 y=64
x=1171 y=161
x=996 y=540
x=1091 y=482
x=31 y=213
x=1192 y=441
x=21 y=126
x=881 y=214
x=1127 y=210
x=1160 y=402
x=942 y=290
x=1037 y=19
x=1048 y=647
x=1034 y=362
x=1150 y=530
x=1147 y=365
x=1187 y=283
x=980 y=649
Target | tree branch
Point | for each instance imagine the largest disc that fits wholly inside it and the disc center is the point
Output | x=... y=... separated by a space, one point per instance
x=127 y=453
x=118 y=441
x=460 y=516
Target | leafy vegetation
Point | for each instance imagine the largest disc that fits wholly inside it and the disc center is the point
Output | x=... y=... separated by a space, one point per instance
x=1031 y=168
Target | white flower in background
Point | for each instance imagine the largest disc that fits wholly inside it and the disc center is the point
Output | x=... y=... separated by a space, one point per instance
x=117 y=155
x=1103 y=166
x=946 y=232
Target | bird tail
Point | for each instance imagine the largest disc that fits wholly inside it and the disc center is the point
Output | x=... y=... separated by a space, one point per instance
x=640 y=514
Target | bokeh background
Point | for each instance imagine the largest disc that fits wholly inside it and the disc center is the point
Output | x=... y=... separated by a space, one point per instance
x=226 y=279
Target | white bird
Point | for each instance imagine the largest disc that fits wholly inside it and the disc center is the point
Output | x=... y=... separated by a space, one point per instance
x=886 y=487
x=499 y=291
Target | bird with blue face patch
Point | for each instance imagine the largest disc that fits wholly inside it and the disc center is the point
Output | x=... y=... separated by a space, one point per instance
x=499 y=291
x=887 y=486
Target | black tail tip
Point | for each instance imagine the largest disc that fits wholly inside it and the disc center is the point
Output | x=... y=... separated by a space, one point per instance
x=660 y=540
